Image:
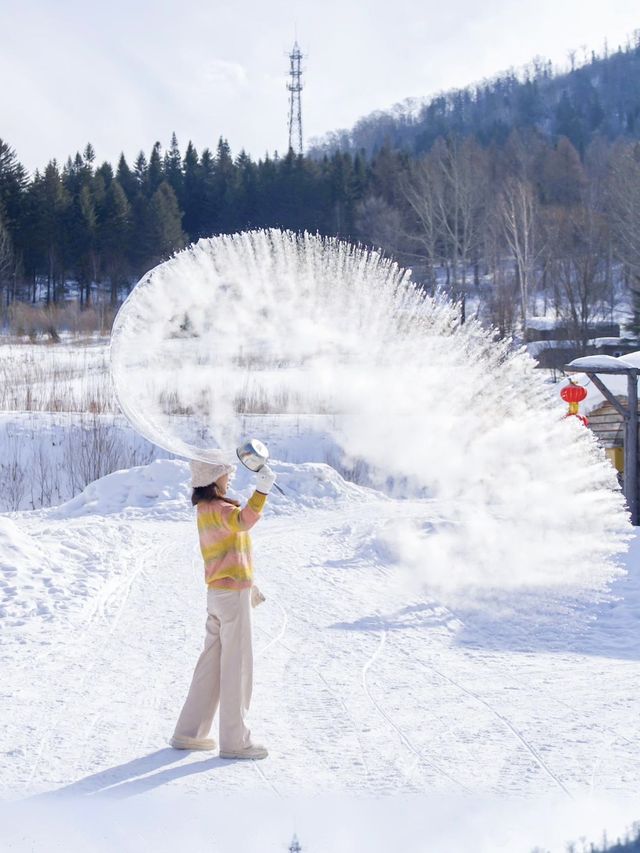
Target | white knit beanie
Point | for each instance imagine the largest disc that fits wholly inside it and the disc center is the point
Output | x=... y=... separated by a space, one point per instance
x=205 y=473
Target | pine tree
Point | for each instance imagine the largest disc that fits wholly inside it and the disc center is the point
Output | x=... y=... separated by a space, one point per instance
x=13 y=182
x=6 y=262
x=81 y=242
x=192 y=196
x=13 y=191
x=105 y=173
x=114 y=234
x=164 y=232
x=247 y=191
x=154 y=172
x=141 y=172
x=173 y=167
x=126 y=178
x=569 y=123
x=223 y=189
x=46 y=222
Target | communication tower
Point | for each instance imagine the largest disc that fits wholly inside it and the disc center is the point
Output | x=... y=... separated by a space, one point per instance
x=295 y=103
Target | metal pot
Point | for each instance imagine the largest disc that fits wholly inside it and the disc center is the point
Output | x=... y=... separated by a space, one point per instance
x=254 y=455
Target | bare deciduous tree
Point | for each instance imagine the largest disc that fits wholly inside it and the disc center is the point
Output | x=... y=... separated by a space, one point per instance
x=447 y=192
x=420 y=193
x=624 y=194
x=517 y=205
x=577 y=251
x=379 y=224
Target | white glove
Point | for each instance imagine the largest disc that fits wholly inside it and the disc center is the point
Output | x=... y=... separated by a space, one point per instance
x=265 y=480
x=256 y=596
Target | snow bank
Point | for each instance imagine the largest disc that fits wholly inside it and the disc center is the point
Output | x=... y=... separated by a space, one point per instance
x=158 y=489
x=17 y=551
x=311 y=485
x=43 y=573
x=21 y=561
x=162 y=489
x=56 y=561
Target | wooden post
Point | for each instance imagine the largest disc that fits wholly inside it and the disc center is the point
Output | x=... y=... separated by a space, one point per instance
x=631 y=447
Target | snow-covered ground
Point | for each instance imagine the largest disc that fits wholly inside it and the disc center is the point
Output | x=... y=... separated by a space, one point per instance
x=449 y=662
x=56 y=377
x=394 y=718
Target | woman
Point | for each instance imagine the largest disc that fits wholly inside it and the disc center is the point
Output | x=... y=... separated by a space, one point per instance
x=224 y=672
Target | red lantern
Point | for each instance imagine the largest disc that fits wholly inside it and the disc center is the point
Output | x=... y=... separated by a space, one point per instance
x=573 y=394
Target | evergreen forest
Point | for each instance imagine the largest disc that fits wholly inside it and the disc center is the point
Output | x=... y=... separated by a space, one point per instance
x=520 y=198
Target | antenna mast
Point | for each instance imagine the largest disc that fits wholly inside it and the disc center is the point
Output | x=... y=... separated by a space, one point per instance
x=295 y=104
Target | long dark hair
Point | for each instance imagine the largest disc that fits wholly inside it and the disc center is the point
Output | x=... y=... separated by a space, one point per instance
x=210 y=493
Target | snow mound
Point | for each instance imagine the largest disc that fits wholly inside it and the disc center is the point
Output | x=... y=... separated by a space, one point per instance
x=17 y=551
x=21 y=564
x=158 y=489
x=162 y=489
x=40 y=579
x=314 y=485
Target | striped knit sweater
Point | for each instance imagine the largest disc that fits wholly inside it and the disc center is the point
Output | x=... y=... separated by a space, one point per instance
x=225 y=541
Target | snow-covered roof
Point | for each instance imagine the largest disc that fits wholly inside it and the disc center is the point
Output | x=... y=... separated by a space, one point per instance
x=632 y=358
x=534 y=348
x=606 y=363
x=609 y=342
x=542 y=323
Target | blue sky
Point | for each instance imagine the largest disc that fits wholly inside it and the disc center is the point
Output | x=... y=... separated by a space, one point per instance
x=123 y=74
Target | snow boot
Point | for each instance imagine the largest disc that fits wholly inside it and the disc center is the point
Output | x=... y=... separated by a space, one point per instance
x=254 y=752
x=183 y=742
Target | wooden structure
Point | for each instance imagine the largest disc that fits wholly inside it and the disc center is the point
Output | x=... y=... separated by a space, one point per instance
x=629 y=413
x=608 y=424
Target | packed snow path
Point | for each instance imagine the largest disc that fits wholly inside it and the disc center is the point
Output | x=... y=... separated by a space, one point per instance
x=360 y=686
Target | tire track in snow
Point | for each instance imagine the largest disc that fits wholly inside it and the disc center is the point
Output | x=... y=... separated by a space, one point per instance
x=615 y=734
x=337 y=698
x=159 y=556
x=577 y=713
x=158 y=687
x=506 y=722
x=281 y=633
x=267 y=781
x=597 y=762
x=278 y=638
x=605 y=729
x=99 y=611
x=420 y=757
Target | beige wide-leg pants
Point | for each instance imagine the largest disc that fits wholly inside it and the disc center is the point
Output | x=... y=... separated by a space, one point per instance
x=224 y=672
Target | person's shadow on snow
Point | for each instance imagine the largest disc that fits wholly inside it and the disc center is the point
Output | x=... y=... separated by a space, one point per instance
x=132 y=778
